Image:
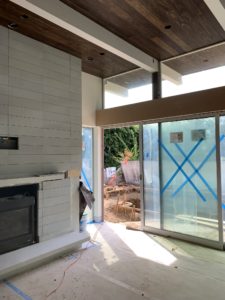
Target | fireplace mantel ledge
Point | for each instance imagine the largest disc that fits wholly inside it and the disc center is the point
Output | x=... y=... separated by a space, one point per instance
x=31 y=180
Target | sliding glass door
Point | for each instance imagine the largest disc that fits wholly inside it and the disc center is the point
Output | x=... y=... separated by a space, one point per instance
x=87 y=164
x=222 y=166
x=189 y=177
x=151 y=191
x=180 y=177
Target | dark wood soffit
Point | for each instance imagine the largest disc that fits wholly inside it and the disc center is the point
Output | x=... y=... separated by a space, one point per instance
x=44 y=31
x=142 y=23
x=186 y=105
x=200 y=61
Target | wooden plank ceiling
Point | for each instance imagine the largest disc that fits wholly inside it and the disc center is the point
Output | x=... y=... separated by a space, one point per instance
x=95 y=60
x=199 y=61
x=160 y=28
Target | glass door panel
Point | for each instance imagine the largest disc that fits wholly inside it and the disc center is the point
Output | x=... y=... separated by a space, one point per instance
x=151 y=176
x=189 y=177
x=222 y=164
x=87 y=164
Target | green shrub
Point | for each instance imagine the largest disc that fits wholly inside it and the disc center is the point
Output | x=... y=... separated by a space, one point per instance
x=120 y=144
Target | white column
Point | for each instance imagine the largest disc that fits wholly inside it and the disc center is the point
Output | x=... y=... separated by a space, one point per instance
x=98 y=166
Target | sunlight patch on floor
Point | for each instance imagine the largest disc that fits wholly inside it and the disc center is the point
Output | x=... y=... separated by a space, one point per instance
x=142 y=245
x=109 y=255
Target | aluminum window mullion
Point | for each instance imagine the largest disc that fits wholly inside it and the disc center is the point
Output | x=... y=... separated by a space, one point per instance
x=141 y=176
x=160 y=178
x=219 y=191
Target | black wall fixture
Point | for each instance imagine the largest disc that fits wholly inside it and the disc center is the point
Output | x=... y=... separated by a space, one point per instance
x=10 y=143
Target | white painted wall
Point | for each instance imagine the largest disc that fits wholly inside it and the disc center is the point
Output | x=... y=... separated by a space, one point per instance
x=98 y=169
x=91 y=98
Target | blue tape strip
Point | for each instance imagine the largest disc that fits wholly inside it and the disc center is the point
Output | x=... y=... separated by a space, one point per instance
x=16 y=290
x=90 y=245
x=197 y=172
x=90 y=222
x=86 y=180
x=179 y=166
x=199 y=167
x=94 y=222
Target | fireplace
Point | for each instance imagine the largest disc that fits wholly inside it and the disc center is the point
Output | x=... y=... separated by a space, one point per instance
x=18 y=217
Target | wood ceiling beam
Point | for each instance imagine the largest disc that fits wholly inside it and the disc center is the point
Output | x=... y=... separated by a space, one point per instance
x=170 y=74
x=175 y=107
x=71 y=20
x=218 y=10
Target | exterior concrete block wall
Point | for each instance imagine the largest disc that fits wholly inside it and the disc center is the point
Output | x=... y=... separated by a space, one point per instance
x=40 y=103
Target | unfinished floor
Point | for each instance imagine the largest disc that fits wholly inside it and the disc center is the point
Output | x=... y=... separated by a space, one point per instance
x=125 y=264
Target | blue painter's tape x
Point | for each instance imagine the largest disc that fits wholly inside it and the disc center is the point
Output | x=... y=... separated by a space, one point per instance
x=174 y=160
x=197 y=172
x=180 y=168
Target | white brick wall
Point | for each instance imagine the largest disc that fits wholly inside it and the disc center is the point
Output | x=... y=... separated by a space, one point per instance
x=40 y=102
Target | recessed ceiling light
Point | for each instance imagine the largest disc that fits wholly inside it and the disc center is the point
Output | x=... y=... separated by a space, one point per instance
x=167 y=26
x=24 y=17
x=12 y=26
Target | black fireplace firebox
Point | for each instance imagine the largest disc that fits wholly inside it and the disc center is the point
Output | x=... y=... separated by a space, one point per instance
x=18 y=217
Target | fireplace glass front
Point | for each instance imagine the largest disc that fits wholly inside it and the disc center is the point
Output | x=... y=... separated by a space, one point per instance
x=18 y=217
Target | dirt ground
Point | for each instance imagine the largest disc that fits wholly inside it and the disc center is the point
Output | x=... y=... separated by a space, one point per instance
x=128 y=209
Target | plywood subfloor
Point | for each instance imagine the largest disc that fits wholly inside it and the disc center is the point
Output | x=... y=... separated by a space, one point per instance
x=125 y=264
